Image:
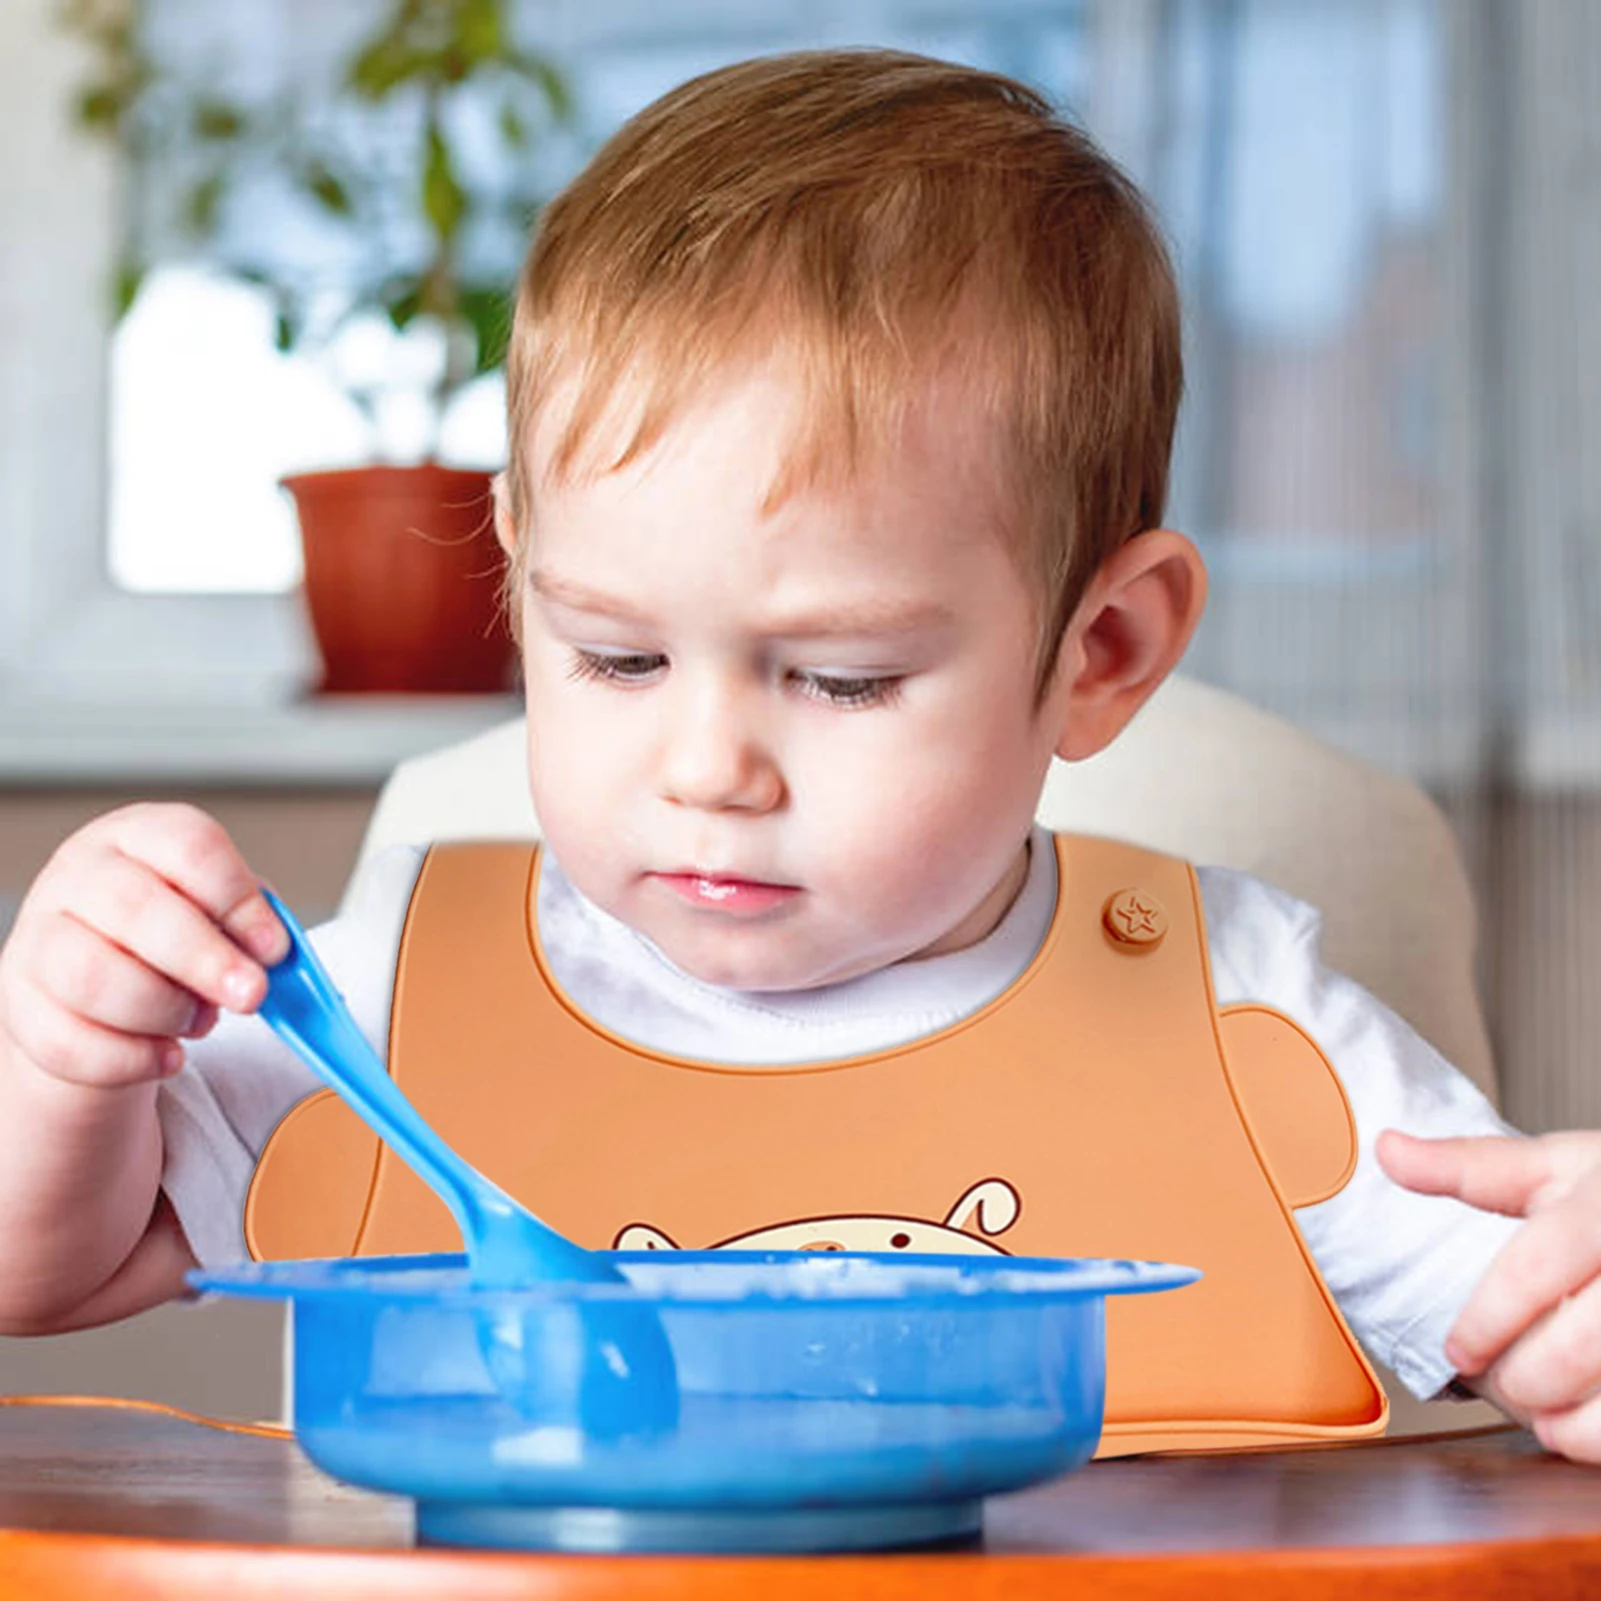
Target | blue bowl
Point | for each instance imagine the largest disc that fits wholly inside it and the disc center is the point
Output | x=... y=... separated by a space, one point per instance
x=827 y=1401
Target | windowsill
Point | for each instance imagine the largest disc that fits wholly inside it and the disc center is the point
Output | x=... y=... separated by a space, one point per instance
x=347 y=740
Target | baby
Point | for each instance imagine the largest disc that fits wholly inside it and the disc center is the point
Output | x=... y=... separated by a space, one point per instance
x=842 y=391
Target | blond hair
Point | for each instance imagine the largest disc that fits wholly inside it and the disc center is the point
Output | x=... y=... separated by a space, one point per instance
x=871 y=212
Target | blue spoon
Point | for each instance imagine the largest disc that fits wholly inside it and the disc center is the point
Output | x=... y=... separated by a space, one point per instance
x=628 y=1379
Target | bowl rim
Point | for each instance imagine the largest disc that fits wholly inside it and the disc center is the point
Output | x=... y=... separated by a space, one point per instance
x=784 y=1279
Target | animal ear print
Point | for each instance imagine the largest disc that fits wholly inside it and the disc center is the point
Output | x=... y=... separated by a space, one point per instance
x=642 y=1237
x=993 y=1204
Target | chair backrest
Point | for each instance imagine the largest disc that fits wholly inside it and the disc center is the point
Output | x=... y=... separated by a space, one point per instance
x=1199 y=773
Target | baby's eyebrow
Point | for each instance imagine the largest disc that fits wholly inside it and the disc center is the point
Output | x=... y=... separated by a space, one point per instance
x=862 y=617
x=565 y=592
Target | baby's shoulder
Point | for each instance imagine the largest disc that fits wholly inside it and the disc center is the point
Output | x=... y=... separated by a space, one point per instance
x=382 y=883
x=1264 y=944
x=1238 y=904
x=360 y=943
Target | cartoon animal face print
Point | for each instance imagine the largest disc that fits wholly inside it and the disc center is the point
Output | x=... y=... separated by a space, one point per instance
x=993 y=1206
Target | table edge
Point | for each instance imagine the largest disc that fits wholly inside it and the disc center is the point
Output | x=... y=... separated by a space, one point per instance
x=47 y=1564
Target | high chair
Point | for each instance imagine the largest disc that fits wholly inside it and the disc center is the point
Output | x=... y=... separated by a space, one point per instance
x=1200 y=774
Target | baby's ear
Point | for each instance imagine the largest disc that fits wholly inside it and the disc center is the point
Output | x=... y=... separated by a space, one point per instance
x=1128 y=633
x=505 y=527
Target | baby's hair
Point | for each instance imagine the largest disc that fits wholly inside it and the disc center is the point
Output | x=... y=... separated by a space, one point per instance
x=878 y=217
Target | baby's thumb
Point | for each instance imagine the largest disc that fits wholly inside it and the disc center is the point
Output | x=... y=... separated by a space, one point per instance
x=1497 y=1173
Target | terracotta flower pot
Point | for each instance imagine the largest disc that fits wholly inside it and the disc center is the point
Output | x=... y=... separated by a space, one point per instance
x=403 y=576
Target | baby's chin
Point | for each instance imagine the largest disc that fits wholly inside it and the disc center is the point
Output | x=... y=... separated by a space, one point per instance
x=755 y=959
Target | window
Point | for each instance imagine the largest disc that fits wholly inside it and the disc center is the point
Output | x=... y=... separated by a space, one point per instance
x=1322 y=167
x=207 y=415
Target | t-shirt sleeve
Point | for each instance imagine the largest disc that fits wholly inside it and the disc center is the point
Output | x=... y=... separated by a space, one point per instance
x=1400 y=1265
x=238 y=1082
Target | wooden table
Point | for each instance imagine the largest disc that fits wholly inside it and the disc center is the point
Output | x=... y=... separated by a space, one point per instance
x=136 y=1503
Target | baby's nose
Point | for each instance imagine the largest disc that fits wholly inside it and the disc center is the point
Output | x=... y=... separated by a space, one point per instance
x=715 y=756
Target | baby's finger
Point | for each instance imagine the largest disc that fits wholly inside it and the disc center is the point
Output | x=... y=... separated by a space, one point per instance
x=194 y=853
x=1553 y=1255
x=1498 y=1173
x=69 y=1047
x=1575 y=1434
x=140 y=911
x=94 y=979
x=1556 y=1364
x=201 y=1023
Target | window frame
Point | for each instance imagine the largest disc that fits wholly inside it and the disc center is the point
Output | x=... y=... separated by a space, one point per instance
x=97 y=682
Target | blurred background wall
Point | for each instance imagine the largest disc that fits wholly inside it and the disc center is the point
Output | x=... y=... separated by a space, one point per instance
x=1386 y=216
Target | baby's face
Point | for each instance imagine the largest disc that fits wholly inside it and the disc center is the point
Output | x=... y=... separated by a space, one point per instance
x=792 y=747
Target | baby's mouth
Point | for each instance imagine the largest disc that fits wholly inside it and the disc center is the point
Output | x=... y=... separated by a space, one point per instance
x=723 y=893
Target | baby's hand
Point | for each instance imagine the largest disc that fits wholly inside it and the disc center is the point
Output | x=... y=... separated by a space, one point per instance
x=1530 y=1334
x=141 y=926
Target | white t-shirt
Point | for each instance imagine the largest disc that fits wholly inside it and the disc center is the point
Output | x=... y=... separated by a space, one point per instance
x=1399 y=1265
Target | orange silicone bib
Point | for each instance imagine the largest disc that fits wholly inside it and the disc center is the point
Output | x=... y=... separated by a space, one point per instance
x=1101 y=1106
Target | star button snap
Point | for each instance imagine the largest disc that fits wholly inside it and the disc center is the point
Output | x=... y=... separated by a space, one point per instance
x=1135 y=918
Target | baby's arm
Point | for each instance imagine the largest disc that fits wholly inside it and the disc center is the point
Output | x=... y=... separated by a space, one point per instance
x=1529 y=1338
x=138 y=930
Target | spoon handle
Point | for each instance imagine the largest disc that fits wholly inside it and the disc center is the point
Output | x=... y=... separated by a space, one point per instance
x=303 y=1007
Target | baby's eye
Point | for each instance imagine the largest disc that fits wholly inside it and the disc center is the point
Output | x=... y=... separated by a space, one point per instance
x=851 y=692
x=627 y=668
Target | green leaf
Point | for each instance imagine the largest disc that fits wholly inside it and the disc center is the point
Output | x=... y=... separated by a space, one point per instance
x=101 y=106
x=444 y=199
x=203 y=202
x=325 y=188
x=549 y=79
x=488 y=313
x=216 y=119
x=403 y=307
x=385 y=65
x=480 y=30
x=125 y=290
x=512 y=127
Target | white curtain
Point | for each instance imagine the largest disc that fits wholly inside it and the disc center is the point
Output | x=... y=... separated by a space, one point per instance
x=1388 y=218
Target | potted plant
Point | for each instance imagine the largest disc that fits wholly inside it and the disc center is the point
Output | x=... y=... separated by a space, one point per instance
x=417 y=157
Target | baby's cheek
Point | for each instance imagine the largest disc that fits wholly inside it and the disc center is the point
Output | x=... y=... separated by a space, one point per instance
x=893 y=850
x=934 y=841
x=574 y=802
